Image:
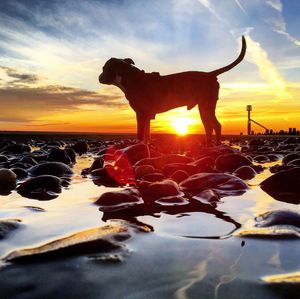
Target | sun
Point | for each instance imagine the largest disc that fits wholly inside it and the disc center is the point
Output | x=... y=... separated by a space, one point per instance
x=181 y=125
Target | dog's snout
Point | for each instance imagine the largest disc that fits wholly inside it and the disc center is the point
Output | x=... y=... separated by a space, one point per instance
x=100 y=78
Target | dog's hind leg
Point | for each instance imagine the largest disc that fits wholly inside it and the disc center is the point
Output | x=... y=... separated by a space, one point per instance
x=217 y=128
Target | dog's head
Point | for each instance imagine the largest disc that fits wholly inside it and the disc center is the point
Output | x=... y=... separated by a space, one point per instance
x=112 y=68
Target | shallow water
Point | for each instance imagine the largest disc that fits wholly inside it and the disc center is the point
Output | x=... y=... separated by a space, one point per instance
x=186 y=255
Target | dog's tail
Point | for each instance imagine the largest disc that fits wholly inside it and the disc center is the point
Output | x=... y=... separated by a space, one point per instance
x=233 y=64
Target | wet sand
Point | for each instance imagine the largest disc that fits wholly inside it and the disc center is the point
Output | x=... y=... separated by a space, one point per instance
x=206 y=250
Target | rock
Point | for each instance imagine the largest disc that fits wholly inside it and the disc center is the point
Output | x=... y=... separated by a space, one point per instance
x=284 y=186
x=58 y=155
x=161 y=161
x=7 y=226
x=261 y=159
x=207 y=197
x=179 y=176
x=113 y=176
x=291 y=140
x=71 y=153
x=223 y=183
x=20 y=172
x=43 y=187
x=157 y=190
x=153 y=177
x=256 y=142
x=204 y=164
x=134 y=153
x=8 y=180
x=231 y=162
x=98 y=163
x=28 y=160
x=273 y=157
x=290 y=157
x=277 y=168
x=113 y=201
x=295 y=162
x=96 y=240
x=142 y=170
x=80 y=147
x=3 y=159
x=17 y=148
x=279 y=217
x=245 y=172
x=172 y=201
x=275 y=224
x=169 y=169
x=52 y=168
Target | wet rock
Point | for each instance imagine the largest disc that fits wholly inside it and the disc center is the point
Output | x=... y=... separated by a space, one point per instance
x=117 y=200
x=17 y=148
x=179 y=176
x=134 y=153
x=142 y=170
x=284 y=186
x=279 y=224
x=273 y=157
x=172 y=201
x=261 y=159
x=20 y=172
x=161 y=161
x=7 y=226
x=101 y=176
x=113 y=176
x=295 y=162
x=231 y=162
x=245 y=173
x=154 y=177
x=217 y=181
x=204 y=164
x=157 y=190
x=28 y=160
x=207 y=197
x=8 y=180
x=291 y=140
x=89 y=241
x=279 y=217
x=71 y=153
x=3 y=159
x=256 y=142
x=80 y=147
x=52 y=168
x=290 y=157
x=43 y=187
x=58 y=155
x=277 y=168
x=169 y=169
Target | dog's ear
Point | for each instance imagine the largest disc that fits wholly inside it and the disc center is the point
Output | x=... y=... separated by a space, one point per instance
x=128 y=60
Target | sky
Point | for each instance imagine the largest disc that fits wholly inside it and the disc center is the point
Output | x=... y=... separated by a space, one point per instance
x=52 y=52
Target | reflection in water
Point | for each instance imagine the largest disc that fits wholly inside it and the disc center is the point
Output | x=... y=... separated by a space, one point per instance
x=131 y=214
x=197 y=275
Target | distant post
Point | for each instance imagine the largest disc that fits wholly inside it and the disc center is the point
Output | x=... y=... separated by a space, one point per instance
x=249 y=109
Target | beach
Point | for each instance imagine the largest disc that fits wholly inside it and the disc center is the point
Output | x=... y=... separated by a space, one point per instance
x=234 y=241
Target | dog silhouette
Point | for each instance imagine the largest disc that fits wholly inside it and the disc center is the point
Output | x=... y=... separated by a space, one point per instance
x=151 y=93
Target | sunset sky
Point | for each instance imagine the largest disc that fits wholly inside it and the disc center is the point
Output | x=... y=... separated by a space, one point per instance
x=52 y=52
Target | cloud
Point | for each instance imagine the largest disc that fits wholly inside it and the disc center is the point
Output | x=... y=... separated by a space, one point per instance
x=267 y=69
x=23 y=78
x=276 y=4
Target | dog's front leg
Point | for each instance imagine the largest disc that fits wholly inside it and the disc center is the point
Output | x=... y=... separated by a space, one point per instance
x=143 y=127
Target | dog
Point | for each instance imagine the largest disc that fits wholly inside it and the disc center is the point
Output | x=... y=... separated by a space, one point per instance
x=151 y=93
